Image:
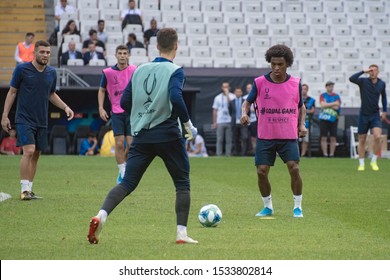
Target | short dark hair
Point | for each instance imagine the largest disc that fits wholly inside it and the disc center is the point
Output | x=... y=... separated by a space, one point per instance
x=91 y=134
x=30 y=34
x=280 y=51
x=167 y=39
x=132 y=35
x=374 y=65
x=305 y=85
x=41 y=43
x=92 y=31
x=100 y=21
x=121 y=47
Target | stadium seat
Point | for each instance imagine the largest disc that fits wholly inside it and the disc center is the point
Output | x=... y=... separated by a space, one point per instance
x=213 y=18
x=223 y=62
x=252 y=19
x=113 y=27
x=110 y=15
x=236 y=29
x=67 y=38
x=87 y=4
x=75 y=62
x=202 y=62
x=132 y=28
x=79 y=47
x=115 y=39
x=196 y=40
x=153 y=52
x=97 y=62
x=59 y=140
x=170 y=5
x=216 y=29
x=317 y=19
x=89 y=14
x=251 y=7
x=193 y=6
x=148 y=15
x=245 y=63
x=231 y=6
x=194 y=17
x=211 y=6
x=242 y=53
x=259 y=42
x=294 y=7
x=196 y=29
x=169 y=16
x=312 y=8
x=137 y=60
x=111 y=60
x=200 y=52
x=87 y=25
x=273 y=7
x=234 y=18
x=146 y=5
x=183 y=61
x=258 y=30
x=108 y=4
x=296 y=18
x=240 y=42
x=183 y=51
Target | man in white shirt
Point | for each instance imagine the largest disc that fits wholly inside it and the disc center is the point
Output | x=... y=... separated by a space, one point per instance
x=132 y=10
x=222 y=119
x=61 y=9
x=101 y=34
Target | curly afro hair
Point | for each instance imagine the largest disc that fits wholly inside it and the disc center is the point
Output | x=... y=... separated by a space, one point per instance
x=280 y=51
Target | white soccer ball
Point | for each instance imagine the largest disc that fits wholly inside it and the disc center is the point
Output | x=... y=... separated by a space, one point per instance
x=210 y=215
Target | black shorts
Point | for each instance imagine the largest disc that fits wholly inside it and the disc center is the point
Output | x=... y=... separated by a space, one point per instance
x=31 y=135
x=328 y=128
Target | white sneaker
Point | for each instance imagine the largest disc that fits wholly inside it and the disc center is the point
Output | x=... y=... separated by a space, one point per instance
x=185 y=240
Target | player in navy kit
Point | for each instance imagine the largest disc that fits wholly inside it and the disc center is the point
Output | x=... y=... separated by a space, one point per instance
x=371 y=89
x=35 y=84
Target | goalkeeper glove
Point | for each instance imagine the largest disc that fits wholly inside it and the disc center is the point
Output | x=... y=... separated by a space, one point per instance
x=191 y=130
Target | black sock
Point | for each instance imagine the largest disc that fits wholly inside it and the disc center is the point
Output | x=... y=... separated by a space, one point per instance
x=183 y=201
x=114 y=197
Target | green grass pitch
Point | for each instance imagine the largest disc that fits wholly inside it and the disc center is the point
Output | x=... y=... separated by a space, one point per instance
x=346 y=213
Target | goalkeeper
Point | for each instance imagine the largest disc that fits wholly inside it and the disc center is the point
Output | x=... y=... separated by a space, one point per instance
x=153 y=98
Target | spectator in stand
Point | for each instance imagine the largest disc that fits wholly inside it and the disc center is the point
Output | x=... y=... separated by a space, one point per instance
x=133 y=43
x=69 y=29
x=93 y=38
x=92 y=54
x=132 y=10
x=101 y=34
x=152 y=31
x=71 y=53
x=240 y=133
x=222 y=119
x=25 y=50
x=61 y=9
x=8 y=145
x=196 y=147
x=330 y=111
x=89 y=146
x=310 y=104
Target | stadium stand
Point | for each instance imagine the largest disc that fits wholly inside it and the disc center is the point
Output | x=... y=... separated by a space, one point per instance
x=16 y=19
